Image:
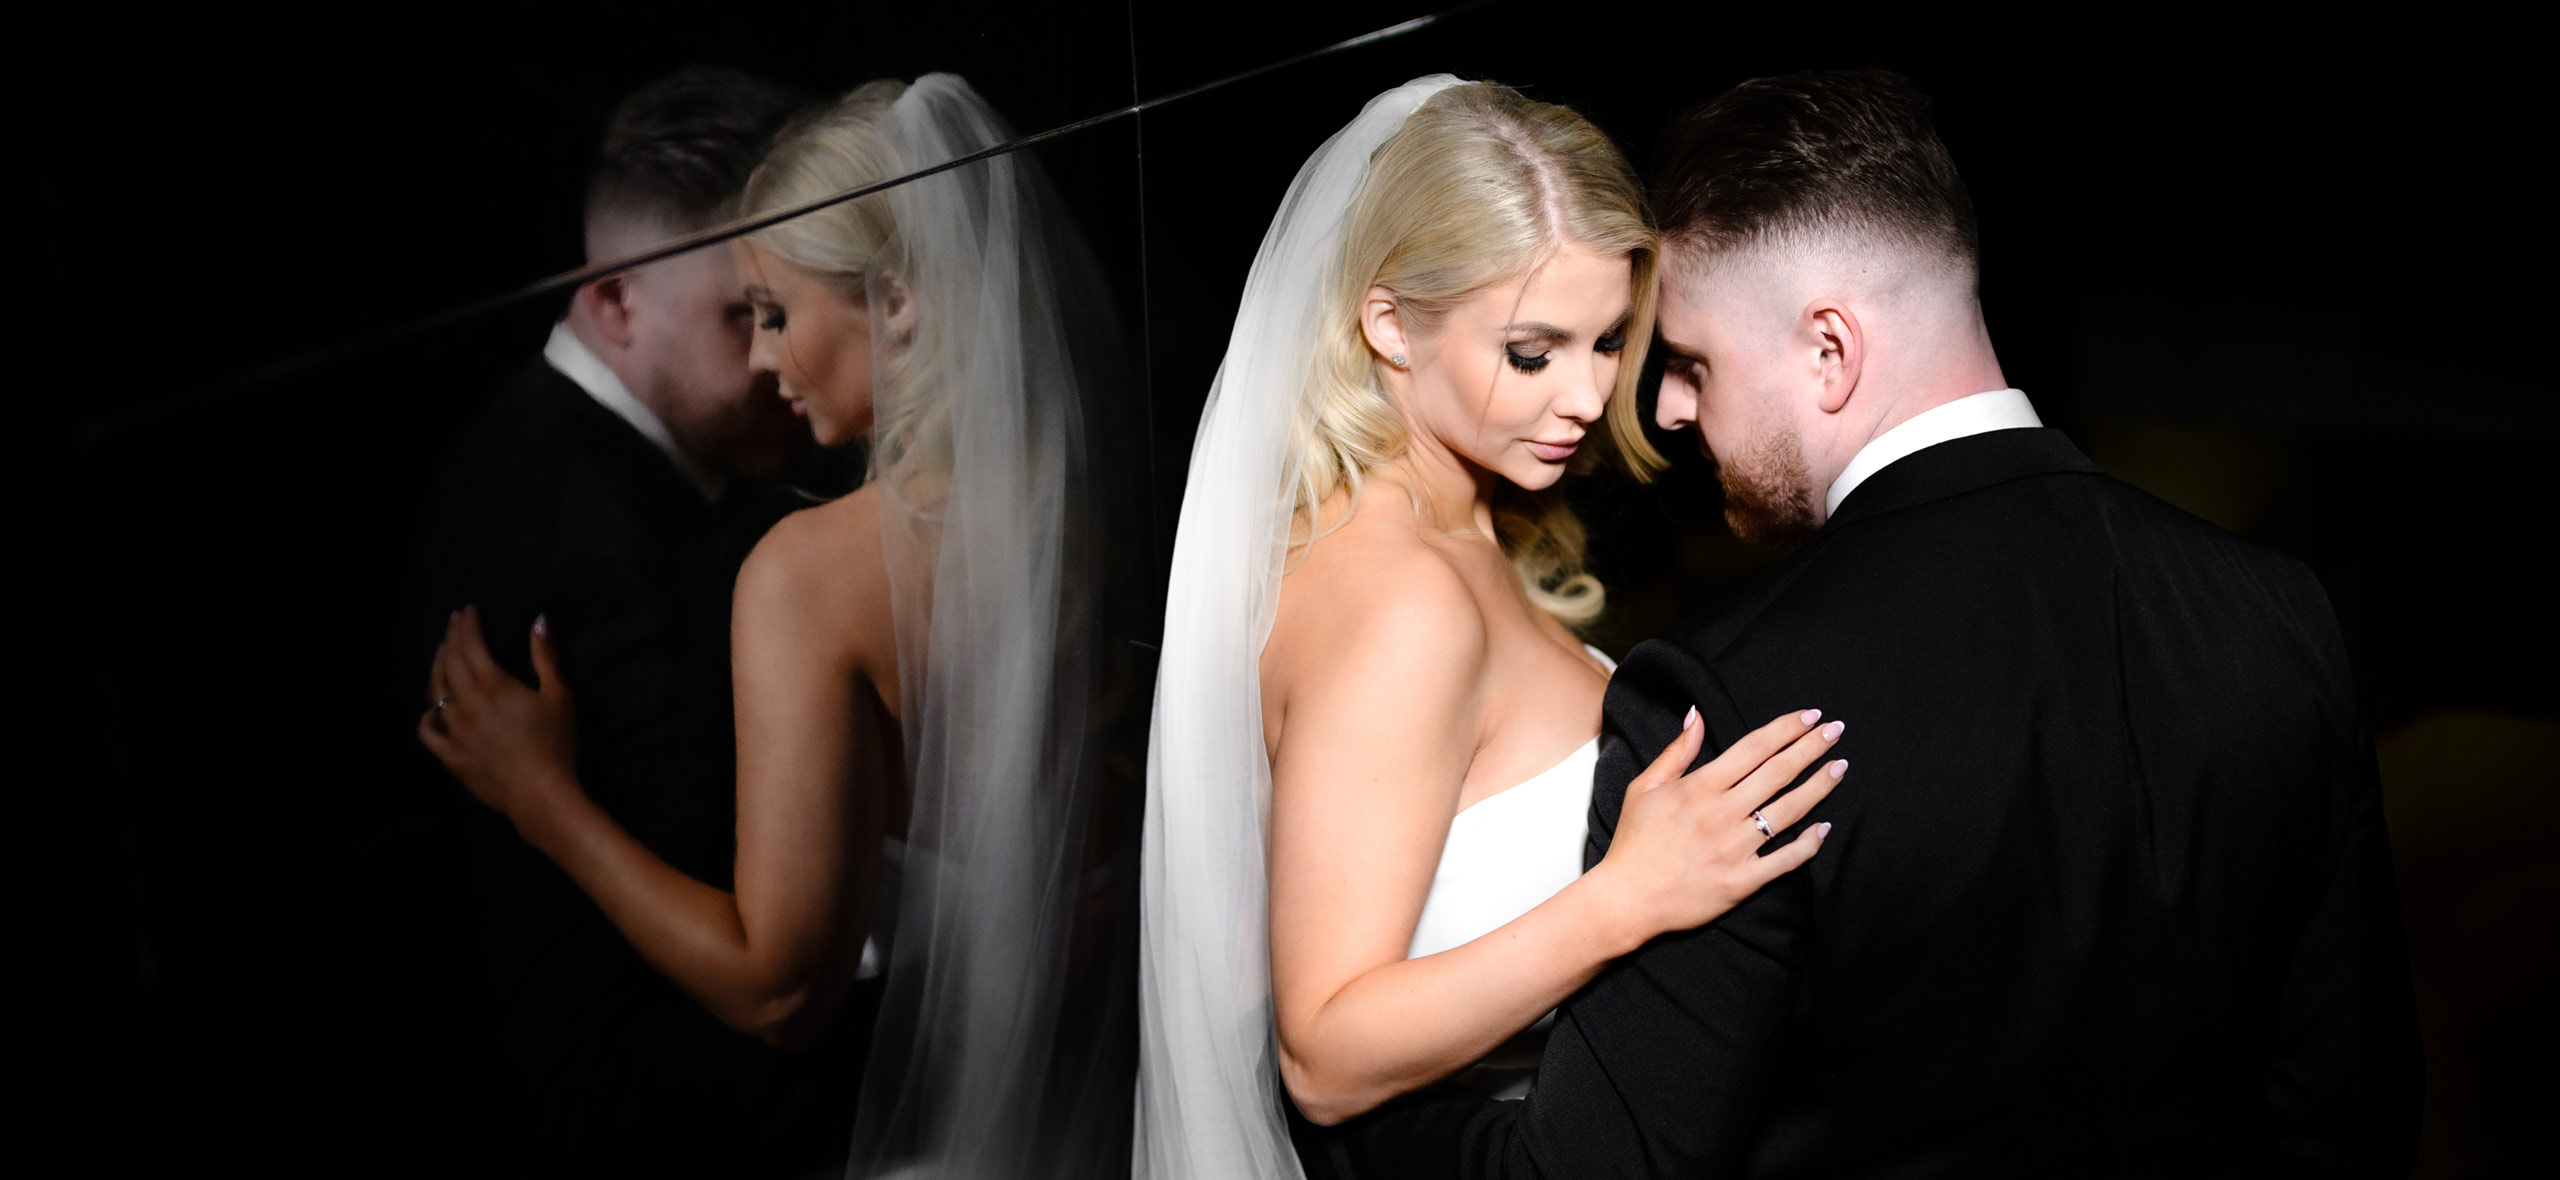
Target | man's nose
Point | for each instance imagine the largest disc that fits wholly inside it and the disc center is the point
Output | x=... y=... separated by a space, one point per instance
x=1674 y=407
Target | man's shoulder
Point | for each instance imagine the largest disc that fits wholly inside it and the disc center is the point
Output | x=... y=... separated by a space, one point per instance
x=541 y=440
x=2050 y=525
x=517 y=437
x=2157 y=547
x=538 y=469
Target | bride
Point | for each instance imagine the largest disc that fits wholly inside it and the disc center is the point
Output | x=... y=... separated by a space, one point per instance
x=1370 y=670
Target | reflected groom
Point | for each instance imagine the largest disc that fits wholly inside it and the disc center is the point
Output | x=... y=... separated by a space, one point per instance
x=2111 y=892
x=614 y=486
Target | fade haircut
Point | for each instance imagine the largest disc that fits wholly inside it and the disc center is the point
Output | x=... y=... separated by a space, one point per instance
x=678 y=149
x=1837 y=150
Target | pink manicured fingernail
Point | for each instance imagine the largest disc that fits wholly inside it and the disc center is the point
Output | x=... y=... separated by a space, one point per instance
x=1821 y=830
x=1691 y=721
x=1810 y=716
x=542 y=625
x=1831 y=732
x=1839 y=766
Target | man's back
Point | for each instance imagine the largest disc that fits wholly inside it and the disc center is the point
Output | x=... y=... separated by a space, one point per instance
x=2108 y=891
x=550 y=504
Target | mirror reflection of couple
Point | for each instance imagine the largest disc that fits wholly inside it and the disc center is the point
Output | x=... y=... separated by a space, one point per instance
x=1429 y=888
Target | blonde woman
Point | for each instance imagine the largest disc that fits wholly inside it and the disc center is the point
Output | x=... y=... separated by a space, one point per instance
x=914 y=659
x=1370 y=668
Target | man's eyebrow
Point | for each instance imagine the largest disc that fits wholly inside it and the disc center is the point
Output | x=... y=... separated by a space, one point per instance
x=1677 y=352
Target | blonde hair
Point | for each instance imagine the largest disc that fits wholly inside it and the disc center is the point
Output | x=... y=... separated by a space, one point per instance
x=844 y=145
x=1478 y=187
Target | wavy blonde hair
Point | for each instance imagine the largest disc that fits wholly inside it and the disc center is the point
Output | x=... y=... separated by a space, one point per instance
x=1480 y=186
x=830 y=149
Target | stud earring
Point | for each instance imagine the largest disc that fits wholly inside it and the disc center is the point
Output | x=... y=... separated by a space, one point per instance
x=1397 y=360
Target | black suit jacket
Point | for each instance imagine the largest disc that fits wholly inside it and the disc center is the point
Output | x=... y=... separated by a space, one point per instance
x=550 y=504
x=2108 y=894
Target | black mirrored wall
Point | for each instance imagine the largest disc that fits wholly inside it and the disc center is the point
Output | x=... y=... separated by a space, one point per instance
x=276 y=252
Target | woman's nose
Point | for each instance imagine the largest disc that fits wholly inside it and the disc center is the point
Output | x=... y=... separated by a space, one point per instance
x=1590 y=396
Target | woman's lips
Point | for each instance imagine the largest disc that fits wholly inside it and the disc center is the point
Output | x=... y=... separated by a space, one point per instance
x=1554 y=452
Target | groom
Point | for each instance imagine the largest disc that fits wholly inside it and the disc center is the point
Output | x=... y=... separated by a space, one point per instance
x=2114 y=896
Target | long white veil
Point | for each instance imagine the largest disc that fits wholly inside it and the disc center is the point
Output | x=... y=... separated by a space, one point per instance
x=1004 y=1038
x=1208 y=1099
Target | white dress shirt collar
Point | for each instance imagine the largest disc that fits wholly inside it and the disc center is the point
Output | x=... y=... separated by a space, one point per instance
x=580 y=364
x=1981 y=413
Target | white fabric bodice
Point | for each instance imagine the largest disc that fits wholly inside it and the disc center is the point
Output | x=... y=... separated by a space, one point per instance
x=1506 y=853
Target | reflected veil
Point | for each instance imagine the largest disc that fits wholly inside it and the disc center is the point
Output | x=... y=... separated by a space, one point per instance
x=1004 y=1041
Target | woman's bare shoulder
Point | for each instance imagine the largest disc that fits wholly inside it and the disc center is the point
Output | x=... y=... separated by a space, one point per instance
x=821 y=561
x=1374 y=590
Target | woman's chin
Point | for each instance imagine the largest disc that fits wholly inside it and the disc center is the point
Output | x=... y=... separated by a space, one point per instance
x=1535 y=476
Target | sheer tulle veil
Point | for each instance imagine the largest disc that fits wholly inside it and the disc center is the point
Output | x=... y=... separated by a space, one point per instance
x=1208 y=1098
x=1004 y=1039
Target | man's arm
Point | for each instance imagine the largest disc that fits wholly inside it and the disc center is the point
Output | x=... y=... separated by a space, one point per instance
x=1656 y=1067
x=2345 y=1076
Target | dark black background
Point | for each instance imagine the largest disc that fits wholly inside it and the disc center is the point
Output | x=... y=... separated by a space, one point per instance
x=2273 y=265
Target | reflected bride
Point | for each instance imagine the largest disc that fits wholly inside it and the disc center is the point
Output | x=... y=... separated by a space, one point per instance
x=1370 y=668
x=923 y=658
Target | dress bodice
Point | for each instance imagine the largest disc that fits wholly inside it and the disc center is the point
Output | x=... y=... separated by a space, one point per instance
x=1505 y=854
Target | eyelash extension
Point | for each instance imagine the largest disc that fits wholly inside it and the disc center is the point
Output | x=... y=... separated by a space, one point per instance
x=1526 y=364
x=771 y=321
x=1613 y=342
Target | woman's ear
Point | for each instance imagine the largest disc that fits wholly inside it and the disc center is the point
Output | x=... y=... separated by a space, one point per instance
x=897 y=307
x=1382 y=322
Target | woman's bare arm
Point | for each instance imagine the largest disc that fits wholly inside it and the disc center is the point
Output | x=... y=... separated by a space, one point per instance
x=772 y=957
x=1378 y=736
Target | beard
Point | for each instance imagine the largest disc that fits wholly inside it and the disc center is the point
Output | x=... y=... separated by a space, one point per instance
x=1768 y=490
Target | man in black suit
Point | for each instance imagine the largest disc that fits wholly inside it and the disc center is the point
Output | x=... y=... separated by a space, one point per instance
x=614 y=488
x=2110 y=893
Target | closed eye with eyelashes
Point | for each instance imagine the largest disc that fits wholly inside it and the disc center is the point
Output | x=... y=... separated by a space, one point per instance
x=1610 y=342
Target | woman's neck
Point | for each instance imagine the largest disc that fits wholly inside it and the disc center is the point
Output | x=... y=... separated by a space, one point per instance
x=1451 y=494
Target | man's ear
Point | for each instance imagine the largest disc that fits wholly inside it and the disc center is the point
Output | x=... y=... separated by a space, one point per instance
x=1382 y=323
x=607 y=304
x=1840 y=351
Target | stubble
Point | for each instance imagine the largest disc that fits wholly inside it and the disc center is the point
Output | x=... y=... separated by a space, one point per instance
x=1768 y=491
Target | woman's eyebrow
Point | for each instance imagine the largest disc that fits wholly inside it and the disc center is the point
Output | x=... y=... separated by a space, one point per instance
x=1539 y=330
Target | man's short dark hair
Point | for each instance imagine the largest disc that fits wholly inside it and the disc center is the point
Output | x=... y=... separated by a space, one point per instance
x=680 y=148
x=1838 y=149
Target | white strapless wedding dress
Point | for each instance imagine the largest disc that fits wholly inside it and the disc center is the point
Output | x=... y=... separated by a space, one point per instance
x=1506 y=853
